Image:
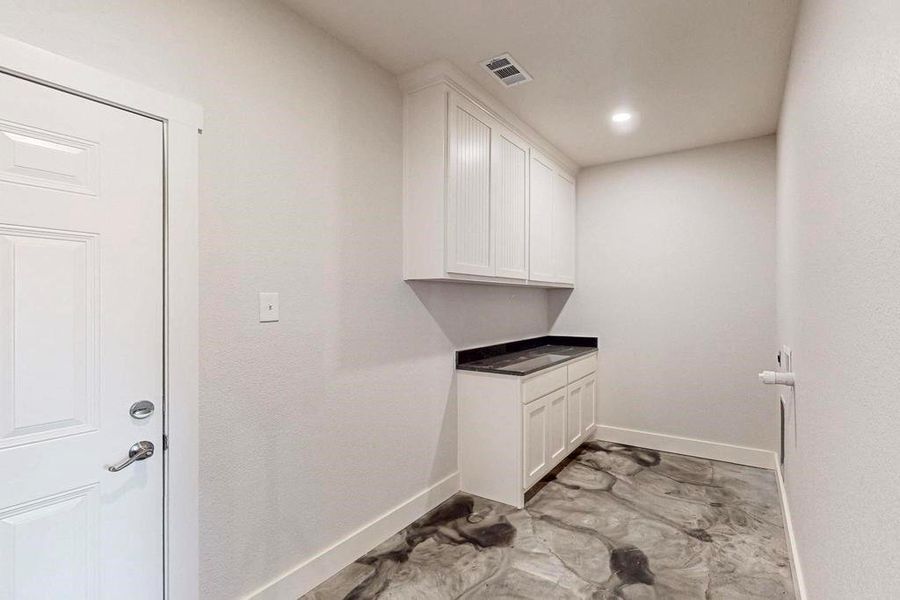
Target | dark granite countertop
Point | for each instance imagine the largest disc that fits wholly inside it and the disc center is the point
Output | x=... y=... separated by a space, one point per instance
x=525 y=357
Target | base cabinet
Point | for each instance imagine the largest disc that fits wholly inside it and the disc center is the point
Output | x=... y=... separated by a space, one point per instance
x=536 y=433
x=514 y=430
x=580 y=410
x=574 y=432
x=588 y=404
x=544 y=435
x=556 y=406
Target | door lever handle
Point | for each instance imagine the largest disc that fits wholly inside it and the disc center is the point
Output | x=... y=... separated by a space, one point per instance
x=777 y=378
x=140 y=451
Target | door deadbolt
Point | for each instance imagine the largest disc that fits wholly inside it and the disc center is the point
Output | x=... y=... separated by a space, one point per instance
x=141 y=409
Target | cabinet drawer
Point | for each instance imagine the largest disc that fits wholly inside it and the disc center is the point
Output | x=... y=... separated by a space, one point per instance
x=543 y=384
x=583 y=367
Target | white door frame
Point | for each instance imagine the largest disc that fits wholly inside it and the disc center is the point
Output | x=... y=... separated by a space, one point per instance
x=181 y=121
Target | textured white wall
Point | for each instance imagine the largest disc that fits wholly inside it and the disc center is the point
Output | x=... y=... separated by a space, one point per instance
x=839 y=293
x=313 y=426
x=676 y=268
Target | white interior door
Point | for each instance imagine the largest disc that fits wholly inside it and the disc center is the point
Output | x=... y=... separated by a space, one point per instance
x=80 y=341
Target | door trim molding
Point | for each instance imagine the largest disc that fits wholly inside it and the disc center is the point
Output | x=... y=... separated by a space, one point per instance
x=182 y=120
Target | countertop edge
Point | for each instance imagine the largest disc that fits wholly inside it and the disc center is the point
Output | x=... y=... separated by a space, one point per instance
x=490 y=371
x=470 y=355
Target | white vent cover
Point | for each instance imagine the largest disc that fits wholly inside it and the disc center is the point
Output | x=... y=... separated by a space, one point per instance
x=507 y=70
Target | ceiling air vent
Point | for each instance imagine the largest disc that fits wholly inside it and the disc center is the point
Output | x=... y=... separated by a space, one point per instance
x=506 y=69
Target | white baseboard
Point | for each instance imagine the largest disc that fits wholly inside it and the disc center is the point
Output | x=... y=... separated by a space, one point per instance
x=741 y=455
x=800 y=585
x=317 y=569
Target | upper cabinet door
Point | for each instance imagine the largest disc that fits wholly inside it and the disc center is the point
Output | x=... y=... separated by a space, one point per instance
x=509 y=203
x=471 y=130
x=542 y=201
x=564 y=229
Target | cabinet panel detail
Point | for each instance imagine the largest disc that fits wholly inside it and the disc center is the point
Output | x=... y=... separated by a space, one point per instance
x=573 y=420
x=588 y=400
x=564 y=230
x=556 y=405
x=541 y=222
x=510 y=208
x=535 y=438
x=469 y=202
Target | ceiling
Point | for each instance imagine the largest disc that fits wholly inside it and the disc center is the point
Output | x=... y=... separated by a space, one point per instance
x=695 y=72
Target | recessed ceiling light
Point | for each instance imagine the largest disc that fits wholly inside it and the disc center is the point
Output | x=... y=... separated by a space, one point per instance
x=624 y=120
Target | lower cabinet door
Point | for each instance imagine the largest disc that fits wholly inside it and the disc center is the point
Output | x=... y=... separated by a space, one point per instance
x=588 y=400
x=556 y=405
x=574 y=400
x=535 y=429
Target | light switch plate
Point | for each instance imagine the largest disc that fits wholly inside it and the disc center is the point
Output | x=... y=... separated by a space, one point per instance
x=268 y=307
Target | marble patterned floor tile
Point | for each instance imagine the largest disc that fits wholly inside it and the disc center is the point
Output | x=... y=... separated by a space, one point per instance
x=616 y=523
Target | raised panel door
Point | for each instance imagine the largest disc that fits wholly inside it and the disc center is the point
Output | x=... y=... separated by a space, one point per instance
x=574 y=434
x=588 y=400
x=81 y=325
x=535 y=455
x=557 y=441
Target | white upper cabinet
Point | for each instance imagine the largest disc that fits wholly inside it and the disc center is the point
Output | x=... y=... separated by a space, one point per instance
x=542 y=220
x=469 y=185
x=564 y=229
x=510 y=206
x=487 y=195
x=470 y=226
x=552 y=223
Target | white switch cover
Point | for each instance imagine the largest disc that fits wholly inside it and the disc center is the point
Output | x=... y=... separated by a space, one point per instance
x=268 y=307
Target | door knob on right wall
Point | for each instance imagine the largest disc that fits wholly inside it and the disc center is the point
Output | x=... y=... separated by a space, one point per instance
x=777 y=378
